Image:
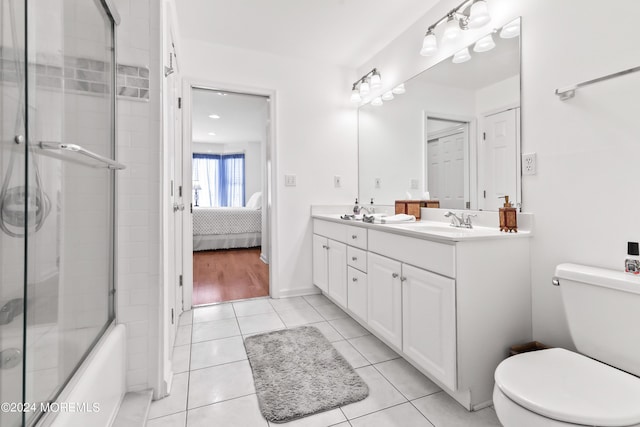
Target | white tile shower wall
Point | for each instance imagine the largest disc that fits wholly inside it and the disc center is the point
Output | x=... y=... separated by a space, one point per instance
x=584 y=194
x=139 y=146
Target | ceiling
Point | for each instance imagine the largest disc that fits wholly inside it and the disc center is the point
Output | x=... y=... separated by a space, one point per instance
x=342 y=32
x=242 y=117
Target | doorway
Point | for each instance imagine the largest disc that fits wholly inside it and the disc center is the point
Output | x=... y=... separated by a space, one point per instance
x=447 y=159
x=229 y=163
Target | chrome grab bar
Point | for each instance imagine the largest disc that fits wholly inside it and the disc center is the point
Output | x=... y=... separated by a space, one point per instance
x=74 y=148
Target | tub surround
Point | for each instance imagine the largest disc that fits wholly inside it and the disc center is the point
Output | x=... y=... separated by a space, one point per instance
x=450 y=301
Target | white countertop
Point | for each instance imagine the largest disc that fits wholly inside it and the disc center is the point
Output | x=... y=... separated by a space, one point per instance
x=430 y=230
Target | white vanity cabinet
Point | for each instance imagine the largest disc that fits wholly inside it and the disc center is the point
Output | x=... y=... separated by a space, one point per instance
x=429 y=322
x=385 y=298
x=330 y=263
x=452 y=307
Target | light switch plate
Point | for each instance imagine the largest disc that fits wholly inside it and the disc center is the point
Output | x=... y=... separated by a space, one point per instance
x=290 y=180
x=529 y=164
x=414 y=184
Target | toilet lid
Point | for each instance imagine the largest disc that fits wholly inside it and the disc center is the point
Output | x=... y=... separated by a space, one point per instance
x=569 y=387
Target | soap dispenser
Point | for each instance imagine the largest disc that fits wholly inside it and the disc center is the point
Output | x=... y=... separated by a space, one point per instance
x=356 y=208
x=508 y=216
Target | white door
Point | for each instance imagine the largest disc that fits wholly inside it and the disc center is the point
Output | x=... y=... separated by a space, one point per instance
x=500 y=158
x=320 y=265
x=446 y=170
x=385 y=298
x=357 y=292
x=429 y=322
x=337 y=258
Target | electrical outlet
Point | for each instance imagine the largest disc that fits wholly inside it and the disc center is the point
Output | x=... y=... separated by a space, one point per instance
x=414 y=184
x=377 y=182
x=337 y=181
x=290 y=180
x=529 y=164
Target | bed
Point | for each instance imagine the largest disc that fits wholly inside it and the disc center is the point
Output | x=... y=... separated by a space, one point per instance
x=226 y=228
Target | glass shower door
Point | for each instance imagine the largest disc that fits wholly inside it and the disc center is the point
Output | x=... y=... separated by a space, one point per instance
x=69 y=279
x=12 y=206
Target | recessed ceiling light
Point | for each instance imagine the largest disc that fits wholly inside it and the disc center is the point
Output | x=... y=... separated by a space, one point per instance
x=222 y=94
x=214 y=116
x=212 y=133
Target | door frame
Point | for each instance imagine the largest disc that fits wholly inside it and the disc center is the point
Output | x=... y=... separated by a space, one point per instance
x=271 y=197
x=470 y=163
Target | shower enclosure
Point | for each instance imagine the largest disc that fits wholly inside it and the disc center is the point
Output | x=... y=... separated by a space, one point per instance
x=57 y=189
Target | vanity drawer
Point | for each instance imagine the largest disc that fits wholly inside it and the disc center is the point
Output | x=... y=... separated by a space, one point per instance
x=433 y=256
x=331 y=230
x=357 y=236
x=357 y=258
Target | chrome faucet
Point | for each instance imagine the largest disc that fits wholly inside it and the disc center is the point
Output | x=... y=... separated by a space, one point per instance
x=461 y=221
x=369 y=211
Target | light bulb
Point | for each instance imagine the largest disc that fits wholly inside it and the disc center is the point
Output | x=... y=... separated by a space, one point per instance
x=364 y=88
x=429 y=44
x=377 y=101
x=484 y=44
x=511 y=30
x=451 y=30
x=399 y=90
x=376 y=82
x=461 y=56
x=355 y=95
x=479 y=14
x=387 y=96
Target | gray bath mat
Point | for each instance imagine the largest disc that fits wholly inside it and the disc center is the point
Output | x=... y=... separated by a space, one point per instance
x=297 y=372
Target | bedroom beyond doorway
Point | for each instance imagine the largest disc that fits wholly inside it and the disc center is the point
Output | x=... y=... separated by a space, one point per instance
x=229 y=145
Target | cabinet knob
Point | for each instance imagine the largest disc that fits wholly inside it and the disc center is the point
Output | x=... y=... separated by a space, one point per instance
x=354 y=279
x=402 y=279
x=395 y=275
x=354 y=258
x=354 y=236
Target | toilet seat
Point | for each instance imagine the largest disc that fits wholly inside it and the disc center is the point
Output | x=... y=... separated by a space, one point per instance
x=569 y=387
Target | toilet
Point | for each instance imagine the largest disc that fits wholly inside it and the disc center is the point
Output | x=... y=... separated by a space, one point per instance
x=600 y=386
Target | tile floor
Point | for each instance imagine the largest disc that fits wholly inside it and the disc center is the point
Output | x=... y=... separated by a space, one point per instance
x=213 y=384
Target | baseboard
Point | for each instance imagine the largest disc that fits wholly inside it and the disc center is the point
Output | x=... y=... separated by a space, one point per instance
x=287 y=293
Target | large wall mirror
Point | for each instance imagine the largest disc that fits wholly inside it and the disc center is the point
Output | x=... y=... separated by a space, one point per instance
x=454 y=133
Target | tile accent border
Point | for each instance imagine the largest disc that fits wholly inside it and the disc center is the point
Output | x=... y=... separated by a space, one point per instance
x=78 y=74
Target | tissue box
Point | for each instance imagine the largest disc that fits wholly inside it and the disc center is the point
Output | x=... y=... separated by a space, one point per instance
x=412 y=207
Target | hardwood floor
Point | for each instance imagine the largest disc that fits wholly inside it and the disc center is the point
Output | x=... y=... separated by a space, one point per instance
x=228 y=275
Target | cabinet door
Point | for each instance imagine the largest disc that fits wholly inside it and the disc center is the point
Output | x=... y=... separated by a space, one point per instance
x=320 y=266
x=429 y=322
x=385 y=298
x=357 y=292
x=337 y=259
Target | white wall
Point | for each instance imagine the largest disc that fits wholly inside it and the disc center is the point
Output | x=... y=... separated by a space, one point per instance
x=315 y=140
x=584 y=195
x=505 y=93
x=252 y=160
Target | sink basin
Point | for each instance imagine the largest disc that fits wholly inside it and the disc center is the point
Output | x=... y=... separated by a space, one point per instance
x=443 y=229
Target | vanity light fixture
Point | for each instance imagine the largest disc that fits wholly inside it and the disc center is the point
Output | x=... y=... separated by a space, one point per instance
x=399 y=90
x=461 y=56
x=362 y=87
x=214 y=116
x=387 y=96
x=511 y=30
x=485 y=44
x=468 y=14
x=377 y=101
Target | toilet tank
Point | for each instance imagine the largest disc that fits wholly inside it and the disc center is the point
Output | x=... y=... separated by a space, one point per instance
x=603 y=312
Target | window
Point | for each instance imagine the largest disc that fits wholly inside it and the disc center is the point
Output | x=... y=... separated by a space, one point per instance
x=221 y=179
